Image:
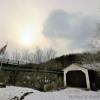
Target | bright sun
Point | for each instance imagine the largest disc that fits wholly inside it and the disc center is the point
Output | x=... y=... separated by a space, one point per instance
x=27 y=36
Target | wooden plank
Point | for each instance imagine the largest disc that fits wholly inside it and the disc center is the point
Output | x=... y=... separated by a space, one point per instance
x=13 y=67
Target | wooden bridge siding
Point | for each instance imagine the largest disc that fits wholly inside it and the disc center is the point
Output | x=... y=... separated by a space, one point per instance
x=24 y=68
x=30 y=70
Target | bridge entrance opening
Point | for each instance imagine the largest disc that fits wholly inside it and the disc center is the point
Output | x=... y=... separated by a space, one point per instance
x=76 y=79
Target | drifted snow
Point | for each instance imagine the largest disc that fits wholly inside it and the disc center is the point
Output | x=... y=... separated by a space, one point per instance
x=66 y=94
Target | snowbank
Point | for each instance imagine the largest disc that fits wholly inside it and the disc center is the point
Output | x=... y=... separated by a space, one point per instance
x=66 y=94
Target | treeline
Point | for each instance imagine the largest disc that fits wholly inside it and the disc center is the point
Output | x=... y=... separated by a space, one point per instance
x=61 y=62
x=37 y=56
x=81 y=58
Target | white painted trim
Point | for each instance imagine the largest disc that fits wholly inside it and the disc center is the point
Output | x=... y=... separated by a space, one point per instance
x=75 y=68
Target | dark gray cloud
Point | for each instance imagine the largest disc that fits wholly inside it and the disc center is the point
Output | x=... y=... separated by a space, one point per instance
x=76 y=28
x=57 y=25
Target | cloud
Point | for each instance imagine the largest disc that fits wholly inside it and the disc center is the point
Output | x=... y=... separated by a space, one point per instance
x=75 y=28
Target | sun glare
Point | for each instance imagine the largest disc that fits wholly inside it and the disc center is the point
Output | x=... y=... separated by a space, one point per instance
x=27 y=36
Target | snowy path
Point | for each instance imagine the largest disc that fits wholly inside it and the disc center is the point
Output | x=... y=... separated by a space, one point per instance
x=66 y=94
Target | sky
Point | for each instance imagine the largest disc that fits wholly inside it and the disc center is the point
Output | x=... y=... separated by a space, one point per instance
x=64 y=25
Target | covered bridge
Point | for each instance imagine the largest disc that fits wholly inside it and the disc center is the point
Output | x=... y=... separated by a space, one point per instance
x=82 y=76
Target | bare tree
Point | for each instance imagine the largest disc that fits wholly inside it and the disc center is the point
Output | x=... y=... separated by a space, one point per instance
x=42 y=55
x=94 y=42
x=5 y=56
x=38 y=55
x=16 y=56
x=25 y=56
x=31 y=58
x=50 y=54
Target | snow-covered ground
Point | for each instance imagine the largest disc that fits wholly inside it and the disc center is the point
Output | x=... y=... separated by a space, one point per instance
x=66 y=94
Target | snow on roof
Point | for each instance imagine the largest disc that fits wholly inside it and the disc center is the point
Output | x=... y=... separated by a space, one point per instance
x=92 y=66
